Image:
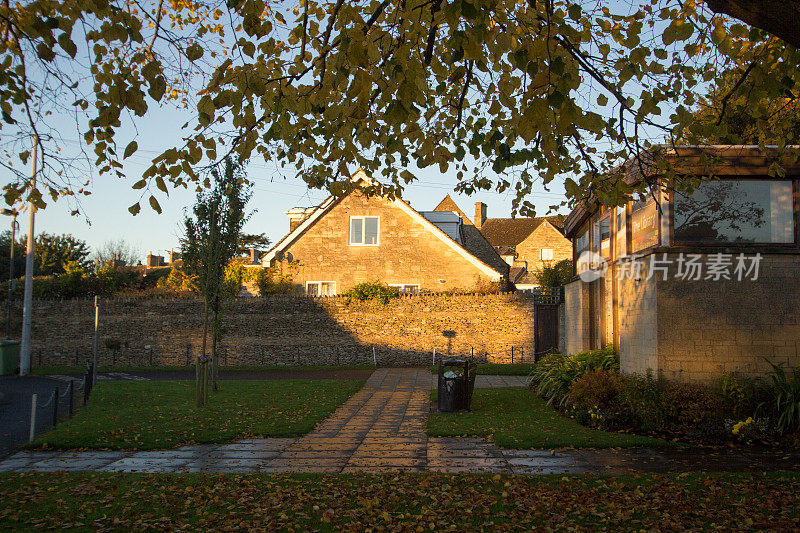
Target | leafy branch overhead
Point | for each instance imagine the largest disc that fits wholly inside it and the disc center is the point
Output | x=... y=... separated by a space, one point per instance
x=505 y=92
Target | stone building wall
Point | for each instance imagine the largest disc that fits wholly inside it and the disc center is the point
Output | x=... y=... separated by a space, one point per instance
x=288 y=330
x=697 y=330
x=545 y=236
x=407 y=253
x=707 y=327
x=575 y=323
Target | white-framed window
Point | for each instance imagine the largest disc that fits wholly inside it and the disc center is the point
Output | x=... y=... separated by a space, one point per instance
x=321 y=288
x=406 y=288
x=547 y=254
x=364 y=231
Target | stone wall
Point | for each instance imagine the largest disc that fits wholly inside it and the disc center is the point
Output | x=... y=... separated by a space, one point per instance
x=575 y=323
x=696 y=330
x=407 y=252
x=288 y=330
x=545 y=236
x=706 y=328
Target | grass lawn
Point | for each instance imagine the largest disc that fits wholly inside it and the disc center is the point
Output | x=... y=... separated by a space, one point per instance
x=394 y=502
x=515 y=417
x=146 y=415
x=48 y=370
x=497 y=369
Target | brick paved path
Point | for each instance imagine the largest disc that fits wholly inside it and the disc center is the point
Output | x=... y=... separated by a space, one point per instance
x=382 y=428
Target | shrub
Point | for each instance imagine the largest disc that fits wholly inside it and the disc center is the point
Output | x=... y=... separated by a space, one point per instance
x=554 y=375
x=598 y=389
x=374 y=290
x=554 y=275
x=783 y=398
x=739 y=394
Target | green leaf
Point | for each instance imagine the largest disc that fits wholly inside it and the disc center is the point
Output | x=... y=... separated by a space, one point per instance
x=555 y=99
x=574 y=11
x=140 y=184
x=134 y=209
x=67 y=45
x=194 y=52
x=602 y=99
x=130 y=149
x=154 y=205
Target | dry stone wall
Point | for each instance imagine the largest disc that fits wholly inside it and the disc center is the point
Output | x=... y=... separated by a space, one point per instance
x=288 y=330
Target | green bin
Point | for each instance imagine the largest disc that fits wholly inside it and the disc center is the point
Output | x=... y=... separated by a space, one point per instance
x=9 y=357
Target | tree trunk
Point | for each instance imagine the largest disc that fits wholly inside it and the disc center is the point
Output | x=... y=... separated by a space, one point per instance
x=205 y=326
x=214 y=339
x=779 y=17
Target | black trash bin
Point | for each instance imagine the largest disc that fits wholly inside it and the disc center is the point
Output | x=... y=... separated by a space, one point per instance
x=456 y=383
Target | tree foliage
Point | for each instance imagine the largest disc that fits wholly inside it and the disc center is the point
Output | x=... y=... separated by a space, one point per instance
x=116 y=252
x=211 y=237
x=56 y=254
x=506 y=92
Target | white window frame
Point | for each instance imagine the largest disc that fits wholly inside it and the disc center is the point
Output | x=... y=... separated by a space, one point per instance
x=319 y=287
x=401 y=285
x=543 y=258
x=363 y=230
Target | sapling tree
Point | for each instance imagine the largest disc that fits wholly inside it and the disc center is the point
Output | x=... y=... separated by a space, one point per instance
x=211 y=235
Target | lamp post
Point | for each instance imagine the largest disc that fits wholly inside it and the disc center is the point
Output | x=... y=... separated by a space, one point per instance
x=12 y=213
x=27 y=299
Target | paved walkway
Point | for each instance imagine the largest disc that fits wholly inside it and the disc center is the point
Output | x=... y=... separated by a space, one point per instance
x=382 y=428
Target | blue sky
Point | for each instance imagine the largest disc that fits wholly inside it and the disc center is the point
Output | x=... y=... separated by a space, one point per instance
x=275 y=191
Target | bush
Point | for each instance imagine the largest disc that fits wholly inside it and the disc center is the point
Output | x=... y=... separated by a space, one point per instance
x=374 y=290
x=598 y=389
x=740 y=395
x=554 y=275
x=554 y=375
x=783 y=398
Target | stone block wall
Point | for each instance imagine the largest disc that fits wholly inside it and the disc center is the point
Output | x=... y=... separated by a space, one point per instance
x=707 y=327
x=288 y=330
x=545 y=236
x=576 y=320
x=407 y=253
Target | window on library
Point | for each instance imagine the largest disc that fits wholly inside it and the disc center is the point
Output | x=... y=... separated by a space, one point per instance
x=547 y=254
x=604 y=233
x=406 y=289
x=321 y=288
x=735 y=211
x=364 y=231
x=582 y=242
x=621 y=232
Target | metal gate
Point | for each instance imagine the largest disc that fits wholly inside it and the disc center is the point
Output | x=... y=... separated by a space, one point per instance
x=545 y=321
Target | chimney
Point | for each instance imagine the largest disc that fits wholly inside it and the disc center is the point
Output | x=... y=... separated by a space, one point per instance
x=297 y=215
x=480 y=214
x=253 y=256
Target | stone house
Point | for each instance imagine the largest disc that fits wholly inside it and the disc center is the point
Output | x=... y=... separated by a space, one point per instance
x=525 y=244
x=692 y=285
x=352 y=239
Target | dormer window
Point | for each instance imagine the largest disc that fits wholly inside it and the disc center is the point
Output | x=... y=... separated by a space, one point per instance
x=364 y=231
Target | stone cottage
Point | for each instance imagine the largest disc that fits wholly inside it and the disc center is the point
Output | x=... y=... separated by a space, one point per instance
x=525 y=244
x=352 y=239
x=692 y=285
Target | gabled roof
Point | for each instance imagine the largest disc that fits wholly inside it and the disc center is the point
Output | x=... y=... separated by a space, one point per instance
x=512 y=231
x=331 y=201
x=447 y=204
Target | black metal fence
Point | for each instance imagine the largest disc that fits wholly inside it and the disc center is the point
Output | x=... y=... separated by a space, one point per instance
x=61 y=402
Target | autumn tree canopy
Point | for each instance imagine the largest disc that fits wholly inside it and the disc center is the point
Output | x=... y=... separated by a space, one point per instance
x=506 y=92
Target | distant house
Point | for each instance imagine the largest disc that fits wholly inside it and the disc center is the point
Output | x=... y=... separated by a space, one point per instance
x=525 y=244
x=353 y=239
